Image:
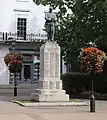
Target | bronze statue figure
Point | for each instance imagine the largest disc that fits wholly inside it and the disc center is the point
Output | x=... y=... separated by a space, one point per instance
x=50 y=18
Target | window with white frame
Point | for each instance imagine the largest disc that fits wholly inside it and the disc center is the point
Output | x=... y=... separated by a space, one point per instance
x=21 y=28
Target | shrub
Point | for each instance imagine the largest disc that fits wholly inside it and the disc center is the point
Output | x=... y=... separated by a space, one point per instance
x=76 y=83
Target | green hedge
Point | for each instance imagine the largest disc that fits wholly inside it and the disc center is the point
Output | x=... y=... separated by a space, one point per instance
x=76 y=83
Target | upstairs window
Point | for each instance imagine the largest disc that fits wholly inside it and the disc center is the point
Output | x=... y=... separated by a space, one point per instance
x=21 y=28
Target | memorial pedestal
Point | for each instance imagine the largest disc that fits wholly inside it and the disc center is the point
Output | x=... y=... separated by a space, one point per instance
x=50 y=85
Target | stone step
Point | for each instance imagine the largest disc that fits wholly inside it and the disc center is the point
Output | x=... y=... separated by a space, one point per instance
x=49 y=97
x=49 y=91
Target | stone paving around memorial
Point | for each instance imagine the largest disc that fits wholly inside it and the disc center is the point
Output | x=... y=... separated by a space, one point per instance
x=51 y=104
x=12 y=111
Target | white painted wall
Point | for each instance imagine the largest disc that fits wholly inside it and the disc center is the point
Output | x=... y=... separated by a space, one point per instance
x=4 y=72
x=8 y=20
x=8 y=16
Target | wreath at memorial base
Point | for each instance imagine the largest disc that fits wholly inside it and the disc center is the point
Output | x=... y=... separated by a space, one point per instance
x=14 y=62
x=91 y=59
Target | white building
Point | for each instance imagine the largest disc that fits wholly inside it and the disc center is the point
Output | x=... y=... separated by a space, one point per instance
x=11 y=10
x=24 y=21
x=21 y=17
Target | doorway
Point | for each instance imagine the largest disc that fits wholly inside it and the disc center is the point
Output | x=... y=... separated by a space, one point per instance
x=27 y=72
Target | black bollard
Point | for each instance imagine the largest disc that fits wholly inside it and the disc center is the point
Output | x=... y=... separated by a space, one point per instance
x=92 y=103
x=15 y=91
x=92 y=99
x=15 y=85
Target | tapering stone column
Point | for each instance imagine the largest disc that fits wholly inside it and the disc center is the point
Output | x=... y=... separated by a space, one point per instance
x=50 y=85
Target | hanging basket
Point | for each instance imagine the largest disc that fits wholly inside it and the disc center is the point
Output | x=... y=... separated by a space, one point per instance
x=14 y=62
x=91 y=59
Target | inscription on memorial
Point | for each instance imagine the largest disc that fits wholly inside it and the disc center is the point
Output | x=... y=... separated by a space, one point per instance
x=47 y=64
x=53 y=91
x=52 y=85
x=52 y=65
x=57 y=66
x=41 y=64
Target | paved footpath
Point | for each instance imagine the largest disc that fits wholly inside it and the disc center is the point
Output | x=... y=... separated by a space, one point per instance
x=12 y=111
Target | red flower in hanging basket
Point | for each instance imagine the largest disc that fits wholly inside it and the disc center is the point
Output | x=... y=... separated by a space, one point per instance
x=91 y=59
x=14 y=61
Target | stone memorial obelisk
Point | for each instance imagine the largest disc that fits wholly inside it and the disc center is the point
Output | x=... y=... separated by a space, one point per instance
x=49 y=86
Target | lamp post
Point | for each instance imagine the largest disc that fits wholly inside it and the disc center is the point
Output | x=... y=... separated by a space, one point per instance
x=14 y=74
x=92 y=97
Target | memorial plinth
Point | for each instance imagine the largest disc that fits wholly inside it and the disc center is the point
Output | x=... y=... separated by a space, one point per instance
x=49 y=86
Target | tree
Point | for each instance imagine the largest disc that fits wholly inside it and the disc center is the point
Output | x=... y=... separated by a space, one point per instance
x=92 y=19
x=79 y=22
x=64 y=28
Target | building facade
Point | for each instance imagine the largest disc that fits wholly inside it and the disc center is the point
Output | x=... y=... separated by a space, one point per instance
x=21 y=12
x=23 y=21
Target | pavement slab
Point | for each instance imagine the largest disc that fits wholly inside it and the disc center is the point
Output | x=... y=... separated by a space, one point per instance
x=74 y=116
x=15 y=117
x=12 y=111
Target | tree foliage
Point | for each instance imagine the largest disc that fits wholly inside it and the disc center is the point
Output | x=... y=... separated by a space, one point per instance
x=79 y=22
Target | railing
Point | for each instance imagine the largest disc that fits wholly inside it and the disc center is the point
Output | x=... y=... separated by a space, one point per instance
x=27 y=38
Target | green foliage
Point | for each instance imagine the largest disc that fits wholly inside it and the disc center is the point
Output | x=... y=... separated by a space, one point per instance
x=79 y=22
x=105 y=58
x=91 y=17
x=76 y=83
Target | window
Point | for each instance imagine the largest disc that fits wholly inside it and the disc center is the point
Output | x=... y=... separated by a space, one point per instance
x=21 y=28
